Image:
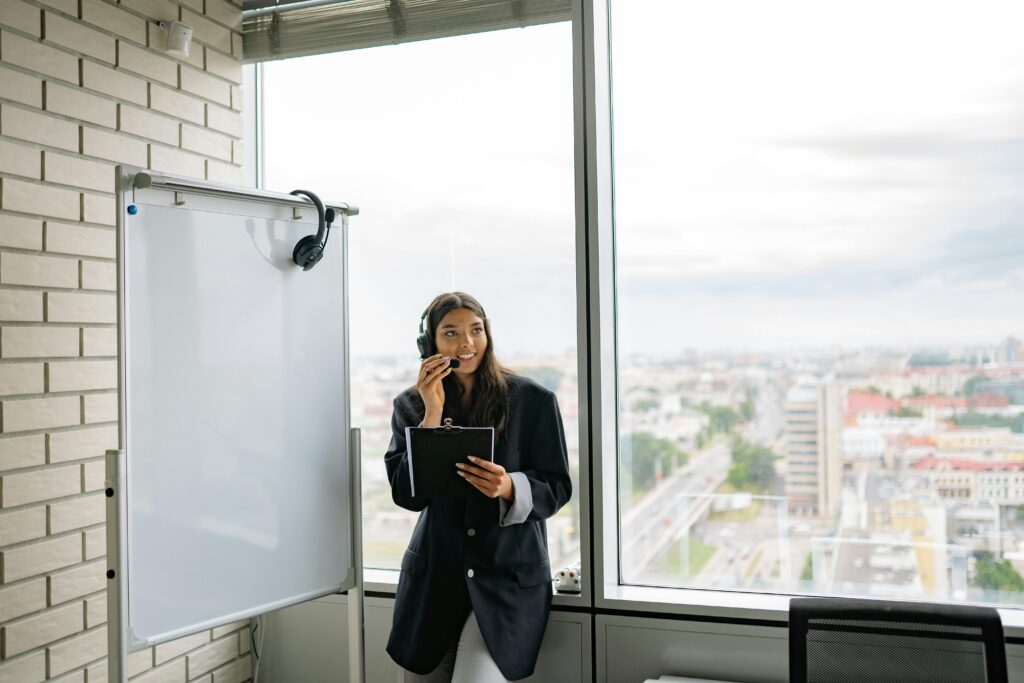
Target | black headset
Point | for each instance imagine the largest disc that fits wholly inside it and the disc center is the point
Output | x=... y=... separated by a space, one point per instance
x=310 y=249
x=422 y=341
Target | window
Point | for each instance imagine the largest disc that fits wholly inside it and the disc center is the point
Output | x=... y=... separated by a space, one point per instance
x=818 y=232
x=459 y=153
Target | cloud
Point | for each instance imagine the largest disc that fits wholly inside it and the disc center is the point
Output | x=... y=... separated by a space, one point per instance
x=988 y=254
x=972 y=153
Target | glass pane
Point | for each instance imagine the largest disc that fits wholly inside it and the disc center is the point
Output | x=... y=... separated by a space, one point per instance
x=820 y=296
x=459 y=153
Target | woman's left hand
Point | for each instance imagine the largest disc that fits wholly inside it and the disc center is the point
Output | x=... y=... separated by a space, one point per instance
x=489 y=478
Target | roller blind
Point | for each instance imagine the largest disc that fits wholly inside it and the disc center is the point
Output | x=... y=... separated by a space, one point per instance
x=356 y=24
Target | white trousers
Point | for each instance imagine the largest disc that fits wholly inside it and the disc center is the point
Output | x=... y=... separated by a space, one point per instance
x=467 y=661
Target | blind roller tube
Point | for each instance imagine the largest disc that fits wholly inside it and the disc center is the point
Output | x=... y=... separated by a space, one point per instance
x=358 y=24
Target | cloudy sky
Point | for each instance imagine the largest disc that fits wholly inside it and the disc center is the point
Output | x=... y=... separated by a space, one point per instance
x=788 y=176
x=459 y=153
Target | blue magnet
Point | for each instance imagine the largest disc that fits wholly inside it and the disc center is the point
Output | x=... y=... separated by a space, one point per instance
x=132 y=209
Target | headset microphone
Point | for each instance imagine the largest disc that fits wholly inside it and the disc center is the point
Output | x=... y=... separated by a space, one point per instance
x=310 y=249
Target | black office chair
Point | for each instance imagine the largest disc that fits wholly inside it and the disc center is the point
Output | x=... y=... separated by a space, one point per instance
x=840 y=640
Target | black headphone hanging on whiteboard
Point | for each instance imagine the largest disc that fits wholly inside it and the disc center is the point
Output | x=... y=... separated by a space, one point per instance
x=310 y=249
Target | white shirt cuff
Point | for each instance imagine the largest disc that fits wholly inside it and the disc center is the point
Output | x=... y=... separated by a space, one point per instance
x=519 y=509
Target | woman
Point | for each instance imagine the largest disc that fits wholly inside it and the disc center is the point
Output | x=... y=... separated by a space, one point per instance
x=475 y=589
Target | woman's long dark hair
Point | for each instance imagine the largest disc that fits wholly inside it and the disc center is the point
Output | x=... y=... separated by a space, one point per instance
x=489 y=402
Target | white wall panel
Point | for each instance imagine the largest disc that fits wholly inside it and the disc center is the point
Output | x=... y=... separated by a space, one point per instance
x=631 y=649
x=309 y=642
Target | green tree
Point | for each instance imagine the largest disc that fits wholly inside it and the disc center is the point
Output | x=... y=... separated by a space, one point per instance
x=904 y=411
x=642 y=405
x=721 y=419
x=995 y=574
x=747 y=408
x=1015 y=513
x=753 y=466
x=971 y=385
x=808 y=571
x=1015 y=423
x=918 y=391
x=648 y=455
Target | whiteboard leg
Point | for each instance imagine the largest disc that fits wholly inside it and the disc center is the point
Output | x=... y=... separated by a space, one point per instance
x=355 y=638
x=356 y=648
x=117 y=649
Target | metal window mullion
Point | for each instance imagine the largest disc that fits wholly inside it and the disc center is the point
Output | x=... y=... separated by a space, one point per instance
x=595 y=271
x=584 y=494
x=252 y=125
x=261 y=127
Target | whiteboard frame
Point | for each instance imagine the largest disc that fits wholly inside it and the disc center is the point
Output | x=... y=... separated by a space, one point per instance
x=121 y=639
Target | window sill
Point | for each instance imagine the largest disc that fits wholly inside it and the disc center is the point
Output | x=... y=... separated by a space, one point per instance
x=683 y=602
x=380 y=580
x=733 y=605
x=386 y=581
x=725 y=605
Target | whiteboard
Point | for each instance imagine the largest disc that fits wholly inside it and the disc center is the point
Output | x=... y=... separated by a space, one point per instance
x=236 y=488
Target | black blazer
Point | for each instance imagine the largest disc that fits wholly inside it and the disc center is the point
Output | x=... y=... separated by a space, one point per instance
x=510 y=587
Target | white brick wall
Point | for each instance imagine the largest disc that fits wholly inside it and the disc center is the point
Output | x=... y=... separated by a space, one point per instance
x=20 y=232
x=21 y=525
x=36 y=342
x=20 y=160
x=23 y=598
x=84 y=85
x=25 y=124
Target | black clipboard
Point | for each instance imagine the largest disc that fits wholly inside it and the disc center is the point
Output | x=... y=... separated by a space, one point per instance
x=433 y=452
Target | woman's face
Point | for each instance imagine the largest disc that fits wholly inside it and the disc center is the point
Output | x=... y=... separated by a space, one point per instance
x=460 y=334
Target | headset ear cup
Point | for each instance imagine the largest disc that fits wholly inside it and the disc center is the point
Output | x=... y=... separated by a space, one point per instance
x=308 y=252
x=423 y=345
x=310 y=249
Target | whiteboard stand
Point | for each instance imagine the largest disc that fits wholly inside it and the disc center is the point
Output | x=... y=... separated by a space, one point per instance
x=356 y=665
x=117 y=649
x=186 y=248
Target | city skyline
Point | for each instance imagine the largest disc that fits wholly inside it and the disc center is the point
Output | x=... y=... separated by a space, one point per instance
x=746 y=475
x=959 y=353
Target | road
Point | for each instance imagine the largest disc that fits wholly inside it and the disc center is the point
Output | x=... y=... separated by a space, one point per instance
x=654 y=521
x=676 y=505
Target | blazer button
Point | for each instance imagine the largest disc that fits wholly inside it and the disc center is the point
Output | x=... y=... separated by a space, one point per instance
x=470 y=573
x=471 y=532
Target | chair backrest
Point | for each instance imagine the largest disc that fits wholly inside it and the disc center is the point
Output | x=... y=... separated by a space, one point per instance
x=844 y=640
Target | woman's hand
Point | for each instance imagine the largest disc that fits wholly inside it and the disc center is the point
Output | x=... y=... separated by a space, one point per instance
x=431 y=389
x=489 y=478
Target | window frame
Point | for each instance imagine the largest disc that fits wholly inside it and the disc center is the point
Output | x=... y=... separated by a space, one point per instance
x=252 y=125
x=603 y=591
x=383 y=582
x=596 y=266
